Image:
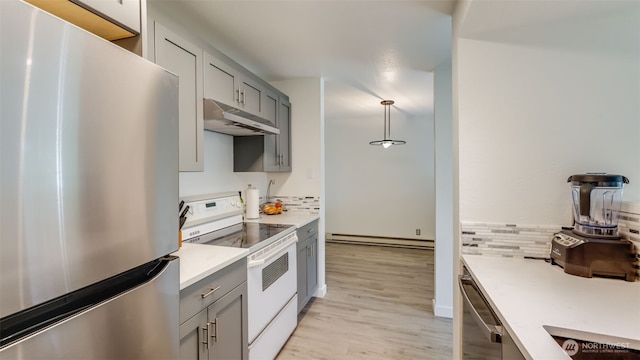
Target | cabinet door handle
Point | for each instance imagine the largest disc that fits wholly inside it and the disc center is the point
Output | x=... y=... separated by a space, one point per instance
x=238 y=92
x=211 y=291
x=243 y=96
x=215 y=333
x=205 y=335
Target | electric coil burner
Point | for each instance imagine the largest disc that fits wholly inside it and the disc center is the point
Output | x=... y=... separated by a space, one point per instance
x=593 y=247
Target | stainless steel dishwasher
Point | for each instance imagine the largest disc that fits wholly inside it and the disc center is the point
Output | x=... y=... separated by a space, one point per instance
x=481 y=329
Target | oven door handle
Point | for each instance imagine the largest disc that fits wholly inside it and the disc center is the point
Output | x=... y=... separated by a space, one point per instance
x=491 y=332
x=272 y=253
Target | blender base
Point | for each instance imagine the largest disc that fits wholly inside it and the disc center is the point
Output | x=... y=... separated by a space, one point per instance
x=588 y=257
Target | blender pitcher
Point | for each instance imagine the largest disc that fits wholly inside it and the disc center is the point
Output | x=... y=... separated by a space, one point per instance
x=597 y=198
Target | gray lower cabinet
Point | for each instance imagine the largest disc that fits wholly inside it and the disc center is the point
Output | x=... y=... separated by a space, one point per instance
x=213 y=316
x=307 y=263
x=194 y=337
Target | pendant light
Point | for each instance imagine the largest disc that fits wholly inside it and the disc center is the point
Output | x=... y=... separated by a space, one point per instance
x=386 y=142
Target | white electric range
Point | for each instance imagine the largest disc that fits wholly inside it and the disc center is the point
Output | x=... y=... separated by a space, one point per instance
x=217 y=219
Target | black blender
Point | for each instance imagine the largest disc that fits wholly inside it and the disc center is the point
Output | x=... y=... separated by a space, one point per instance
x=593 y=247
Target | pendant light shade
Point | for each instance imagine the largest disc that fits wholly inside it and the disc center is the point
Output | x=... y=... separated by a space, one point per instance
x=386 y=141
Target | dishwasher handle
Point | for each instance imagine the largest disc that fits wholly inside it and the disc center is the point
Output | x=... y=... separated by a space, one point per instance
x=492 y=332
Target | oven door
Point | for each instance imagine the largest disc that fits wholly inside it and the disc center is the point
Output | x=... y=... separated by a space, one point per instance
x=271 y=283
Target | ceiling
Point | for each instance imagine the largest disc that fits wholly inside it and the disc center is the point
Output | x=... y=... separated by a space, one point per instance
x=556 y=24
x=365 y=50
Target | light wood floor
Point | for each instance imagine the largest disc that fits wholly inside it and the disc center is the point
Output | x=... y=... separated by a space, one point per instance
x=378 y=306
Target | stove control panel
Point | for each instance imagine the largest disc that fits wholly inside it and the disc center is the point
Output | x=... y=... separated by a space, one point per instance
x=209 y=208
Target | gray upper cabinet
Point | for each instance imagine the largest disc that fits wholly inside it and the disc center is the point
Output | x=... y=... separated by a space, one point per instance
x=220 y=81
x=269 y=153
x=270 y=106
x=231 y=86
x=250 y=95
x=272 y=103
x=109 y=19
x=185 y=60
x=283 y=140
x=124 y=12
x=205 y=73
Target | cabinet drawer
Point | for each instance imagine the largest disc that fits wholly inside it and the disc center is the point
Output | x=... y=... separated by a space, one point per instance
x=307 y=231
x=206 y=291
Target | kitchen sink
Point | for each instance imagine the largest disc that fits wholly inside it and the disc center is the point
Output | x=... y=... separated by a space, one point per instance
x=583 y=345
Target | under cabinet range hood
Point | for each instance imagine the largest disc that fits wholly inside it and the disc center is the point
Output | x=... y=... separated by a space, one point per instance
x=228 y=120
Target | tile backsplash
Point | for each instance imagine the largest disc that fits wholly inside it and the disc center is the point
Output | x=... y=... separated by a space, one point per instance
x=511 y=240
x=629 y=226
x=508 y=240
x=301 y=204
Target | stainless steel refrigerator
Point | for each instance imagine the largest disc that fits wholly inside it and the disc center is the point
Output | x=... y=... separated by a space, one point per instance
x=89 y=195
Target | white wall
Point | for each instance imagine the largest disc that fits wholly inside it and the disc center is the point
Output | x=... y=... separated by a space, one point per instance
x=372 y=191
x=458 y=21
x=307 y=154
x=530 y=117
x=306 y=96
x=443 y=125
x=218 y=175
x=537 y=103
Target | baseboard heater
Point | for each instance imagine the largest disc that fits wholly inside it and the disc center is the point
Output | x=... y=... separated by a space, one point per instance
x=379 y=240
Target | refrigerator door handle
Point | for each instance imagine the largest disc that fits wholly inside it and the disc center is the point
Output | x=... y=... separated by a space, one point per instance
x=123 y=299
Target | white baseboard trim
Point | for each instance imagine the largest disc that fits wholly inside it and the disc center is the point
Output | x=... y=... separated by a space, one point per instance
x=321 y=291
x=442 y=311
x=378 y=240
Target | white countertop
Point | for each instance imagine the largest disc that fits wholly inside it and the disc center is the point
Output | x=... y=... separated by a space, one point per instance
x=528 y=294
x=287 y=218
x=197 y=261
